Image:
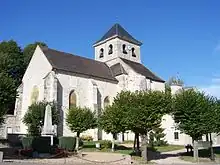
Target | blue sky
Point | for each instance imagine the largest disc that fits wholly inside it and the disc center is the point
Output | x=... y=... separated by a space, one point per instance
x=179 y=36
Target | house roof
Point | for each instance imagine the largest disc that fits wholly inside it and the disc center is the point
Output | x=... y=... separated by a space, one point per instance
x=118 y=31
x=118 y=69
x=141 y=69
x=77 y=64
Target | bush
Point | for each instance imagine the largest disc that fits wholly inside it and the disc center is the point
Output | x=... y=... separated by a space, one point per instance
x=86 y=138
x=34 y=117
x=27 y=142
x=106 y=144
x=42 y=144
x=67 y=143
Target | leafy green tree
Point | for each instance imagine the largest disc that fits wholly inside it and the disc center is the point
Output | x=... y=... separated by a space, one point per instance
x=29 y=51
x=79 y=120
x=193 y=112
x=34 y=117
x=142 y=111
x=7 y=94
x=175 y=81
x=11 y=66
x=11 y=60
x=157 y=136
x=112 y=121
x=189 y=112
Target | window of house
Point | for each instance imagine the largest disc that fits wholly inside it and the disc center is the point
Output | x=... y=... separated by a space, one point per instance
x=72 y=99
x=133 y=52
x=34 y=94
x=101 y=53
x=110 y=49
x=106 y=102
x=124 y=49
x=176 y=135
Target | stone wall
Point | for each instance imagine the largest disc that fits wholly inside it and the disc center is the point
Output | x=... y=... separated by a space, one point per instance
x=12 y=122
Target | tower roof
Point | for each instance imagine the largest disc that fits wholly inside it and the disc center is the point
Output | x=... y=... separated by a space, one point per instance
x=118 y=31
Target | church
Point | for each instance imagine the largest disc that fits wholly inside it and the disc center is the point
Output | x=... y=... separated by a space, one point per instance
x=72 y=80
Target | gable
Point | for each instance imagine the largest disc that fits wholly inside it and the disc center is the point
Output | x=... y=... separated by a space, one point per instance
x=38 y=67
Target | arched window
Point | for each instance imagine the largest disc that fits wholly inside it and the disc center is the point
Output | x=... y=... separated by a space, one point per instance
x=110 y=49
x=72 y=99
x=34 y=94
x=133 y=52
x=106 y=102
x=101 y=53
x=124 y=49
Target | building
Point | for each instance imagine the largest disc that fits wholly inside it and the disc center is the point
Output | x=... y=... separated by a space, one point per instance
x=69 y=80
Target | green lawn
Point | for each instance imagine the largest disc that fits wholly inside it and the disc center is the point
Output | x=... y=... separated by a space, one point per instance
x=90 y=147
x=168 y=148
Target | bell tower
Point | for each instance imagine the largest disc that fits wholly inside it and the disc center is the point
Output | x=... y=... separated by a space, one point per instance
x=117 y=43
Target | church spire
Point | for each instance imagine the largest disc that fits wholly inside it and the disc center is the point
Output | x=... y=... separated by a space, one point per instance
x=118 y=31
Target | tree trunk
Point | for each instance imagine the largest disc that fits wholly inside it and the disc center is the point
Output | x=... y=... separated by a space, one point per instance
x=113 y=143
x=138 y=143
x=207 y=137
x=211 y=148
x=146 y=145
x=195 y=150
x=134 y=147
x=77 y=141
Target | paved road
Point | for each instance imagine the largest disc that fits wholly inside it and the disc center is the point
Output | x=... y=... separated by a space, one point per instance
x=14 y=163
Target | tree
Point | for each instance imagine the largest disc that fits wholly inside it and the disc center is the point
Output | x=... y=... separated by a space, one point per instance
x=157 y=136
x=34 y=117
x=11 y=60
x=192 y=111
x=79 y=120
x=112 y=121
x=29 y=51
x=175 y=81
x=142 y=111
x=7 y=94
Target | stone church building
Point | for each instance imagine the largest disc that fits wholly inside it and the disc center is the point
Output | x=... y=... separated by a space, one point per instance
x=71 y=80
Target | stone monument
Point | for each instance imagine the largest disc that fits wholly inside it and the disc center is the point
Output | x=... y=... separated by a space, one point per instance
x=48 y=127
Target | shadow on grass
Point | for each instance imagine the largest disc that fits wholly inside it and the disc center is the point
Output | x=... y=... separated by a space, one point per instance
x=203 y=153
x=152 y=153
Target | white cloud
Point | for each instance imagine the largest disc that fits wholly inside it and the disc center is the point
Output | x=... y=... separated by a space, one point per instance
x=213 y=89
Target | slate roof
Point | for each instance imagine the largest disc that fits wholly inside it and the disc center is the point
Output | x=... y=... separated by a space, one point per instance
x=118 y=69
x=118 y=31
x=141 y=69
x=77 y=64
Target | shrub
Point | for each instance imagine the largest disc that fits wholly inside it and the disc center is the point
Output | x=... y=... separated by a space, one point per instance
x=67 y=143
x=42 y=144
x=86 y=138
x=34 y=117
x=27 y=142
x=106 y=144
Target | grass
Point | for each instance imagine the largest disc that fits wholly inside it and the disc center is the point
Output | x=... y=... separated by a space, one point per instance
x=128 y=142
x=204 y=155
x=168 y=148
x=90 y=147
